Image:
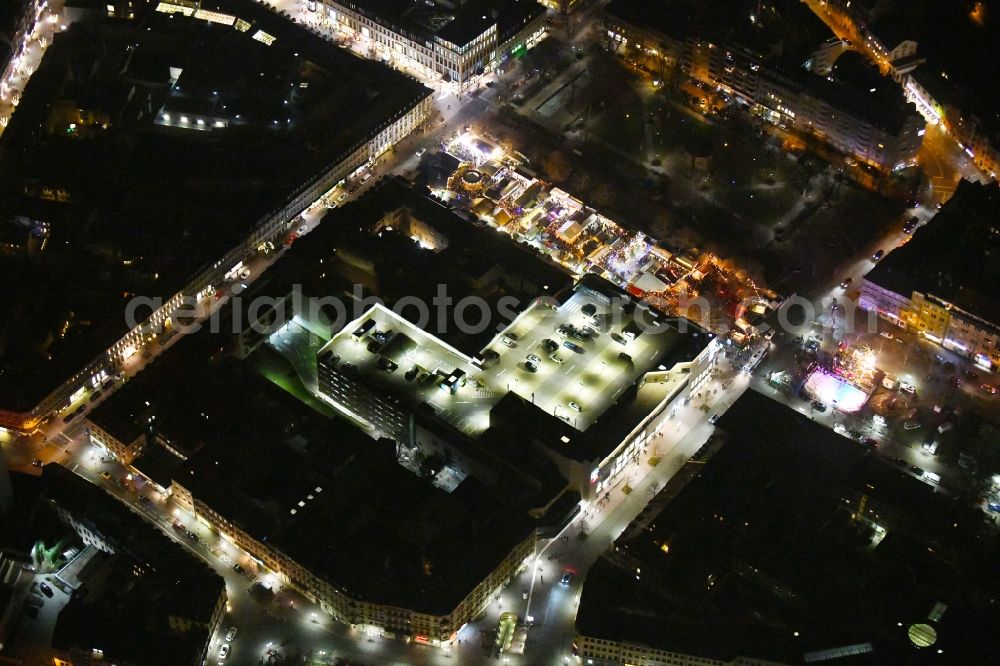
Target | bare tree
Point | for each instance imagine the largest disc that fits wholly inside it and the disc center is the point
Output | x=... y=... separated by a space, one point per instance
x=557 y=166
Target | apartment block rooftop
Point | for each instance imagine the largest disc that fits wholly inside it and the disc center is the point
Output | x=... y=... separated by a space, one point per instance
x=402 y=541
x=783 y=34
x=132 y=599
x=785 y=546
x=288 y=475
x=856 y=87
x=783 y=30
x=166 y=402
x=954 y=256
x=118 y=180
x=952 y=37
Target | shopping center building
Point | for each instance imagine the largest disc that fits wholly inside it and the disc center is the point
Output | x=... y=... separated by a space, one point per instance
x=594 y=402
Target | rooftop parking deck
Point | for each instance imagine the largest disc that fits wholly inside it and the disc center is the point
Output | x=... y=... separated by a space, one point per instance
x=406 y=362
x=594 y=374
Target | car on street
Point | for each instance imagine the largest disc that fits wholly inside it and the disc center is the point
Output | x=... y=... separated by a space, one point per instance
x=915 y=470
x=818 y=406
x=224 y=651
x=231 y=634
x=144 y=500
x=573 y=347
x=303 y=229
x=622 y=356
x=930 y=446
x=878 y=255
x=530 y=367
x=556 y=358
x=507 y=342
x=870 y=442
x=906 y=387
x=911 y=425
x=237 y=568
x=887 y=335
x=989 y=388
x=843 y=285
x=713 y=419
x=106 y=476
x=619 y=339
x=191 y=535
x=840 y=429
x=36 y=462
x=46 y=590
x=534 y=359
x=575 y=406
x=420 y=153
x=549 y=345
x=566 y=578
x=178 y=525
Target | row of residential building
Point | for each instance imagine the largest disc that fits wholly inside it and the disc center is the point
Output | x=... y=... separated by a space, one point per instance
x=125 y=604
x=838 y=101
x=440 y=42
x=922 y=76
x=941 y=284
x=411 y=106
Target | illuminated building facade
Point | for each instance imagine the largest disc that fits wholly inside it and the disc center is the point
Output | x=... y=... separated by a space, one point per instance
x=939 y=284
x=449 y=43
x=852 y=110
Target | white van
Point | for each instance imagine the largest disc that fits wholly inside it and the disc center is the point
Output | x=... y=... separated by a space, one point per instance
x=931 y=477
